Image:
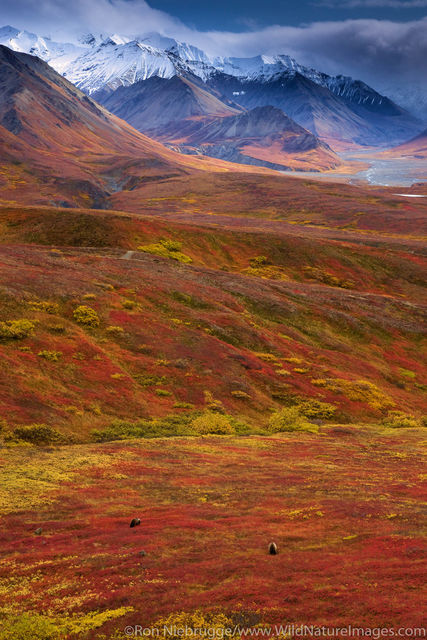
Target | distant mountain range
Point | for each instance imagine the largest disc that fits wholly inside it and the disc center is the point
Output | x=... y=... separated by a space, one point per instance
x=178 y=94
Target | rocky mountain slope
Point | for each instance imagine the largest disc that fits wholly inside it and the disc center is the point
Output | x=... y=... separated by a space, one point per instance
x=157 y=102
x=262 y=136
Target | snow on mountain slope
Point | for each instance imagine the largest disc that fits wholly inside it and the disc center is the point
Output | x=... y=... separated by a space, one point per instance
x=113 y=64
x=182 y=50
x=58 y=54
x=261 y=67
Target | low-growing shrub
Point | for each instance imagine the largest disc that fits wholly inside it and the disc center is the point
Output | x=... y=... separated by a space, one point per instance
x=86 y=316
x=16 y=329
x=316 y=409
x=207 y=625
x=149 y=380
x=259 y=261
x=267 y=357
x=129 y=304
x=57 y=328
x=162 y=393
x=294 y=360
x=173 y=425
x=52 y=356
x=117 y=332
x=181 y=424
x=212 y=403
x=400 y=420
x=89 y=296
x=35 y=626
x=190 y=301
x=357 y=390
x=242 y=395
x=38 y=434
x=213 y=423
x=167 y=249
x=171 y=245
x=290 y=419
x=328 y=278
x=73 y=410
x=45 y=305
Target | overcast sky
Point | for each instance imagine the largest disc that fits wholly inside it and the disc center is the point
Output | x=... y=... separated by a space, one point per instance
x=380 y=41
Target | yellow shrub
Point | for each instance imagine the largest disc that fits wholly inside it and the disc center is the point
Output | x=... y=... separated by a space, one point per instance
x=357 y=390
x=328 y=278
x=162 y=393
x=46 y=306
x=53 y=356
x=214 y=423
x=211 y=403
x=35 y=626
x=290 y=419
x=242 y=395
x=213 y=624
x=118 y=332
x=267 y=357
x=400 y=420
x=16 y=329
x=38 y=434
x=316 y=409
x=259 y=261
x=167 y=249
x=86 y=316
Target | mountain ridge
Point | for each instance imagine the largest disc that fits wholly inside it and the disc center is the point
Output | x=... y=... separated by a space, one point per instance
x=264 y=135
x=339 y=107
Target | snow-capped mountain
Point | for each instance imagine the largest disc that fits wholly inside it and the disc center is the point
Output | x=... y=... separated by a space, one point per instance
x=113 y=64
x=331 y=107
x=58 y=54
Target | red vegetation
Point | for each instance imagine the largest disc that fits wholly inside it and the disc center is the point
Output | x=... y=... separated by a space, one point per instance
x=343 y=508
